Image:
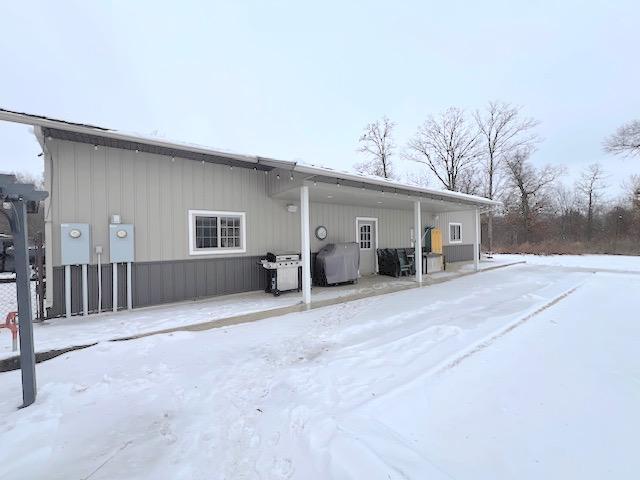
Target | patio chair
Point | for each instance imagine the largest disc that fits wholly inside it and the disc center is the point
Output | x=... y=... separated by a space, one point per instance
x=406 y=265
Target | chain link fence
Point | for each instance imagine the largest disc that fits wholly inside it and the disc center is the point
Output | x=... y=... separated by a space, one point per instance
x=8 y=292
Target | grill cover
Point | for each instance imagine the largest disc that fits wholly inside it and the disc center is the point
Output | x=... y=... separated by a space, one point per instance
x=337 y=263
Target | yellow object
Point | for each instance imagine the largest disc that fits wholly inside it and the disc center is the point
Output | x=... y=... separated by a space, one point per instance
x=436 y=240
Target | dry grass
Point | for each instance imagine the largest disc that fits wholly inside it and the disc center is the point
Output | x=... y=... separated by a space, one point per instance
x=622 y=247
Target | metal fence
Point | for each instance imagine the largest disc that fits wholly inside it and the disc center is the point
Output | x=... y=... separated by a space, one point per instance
x=8 y=294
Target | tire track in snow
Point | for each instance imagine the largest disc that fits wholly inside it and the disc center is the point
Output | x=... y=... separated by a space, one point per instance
x=459 y=357
x=486 y=342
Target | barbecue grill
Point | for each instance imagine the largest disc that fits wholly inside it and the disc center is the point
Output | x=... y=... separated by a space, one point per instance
x=283 y=272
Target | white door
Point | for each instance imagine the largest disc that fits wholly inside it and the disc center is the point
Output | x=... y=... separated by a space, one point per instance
x=367 y=241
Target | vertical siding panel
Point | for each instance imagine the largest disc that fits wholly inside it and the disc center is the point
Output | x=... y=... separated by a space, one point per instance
x=140 y=208
x=84 y=154
x=99 y=189
x=155 y=215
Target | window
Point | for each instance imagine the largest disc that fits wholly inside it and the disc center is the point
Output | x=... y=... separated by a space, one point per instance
x=216 y=232
x=455 y=233
x=365 y=236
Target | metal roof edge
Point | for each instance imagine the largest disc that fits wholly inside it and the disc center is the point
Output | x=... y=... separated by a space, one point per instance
x=382 y=182
x=46 y=122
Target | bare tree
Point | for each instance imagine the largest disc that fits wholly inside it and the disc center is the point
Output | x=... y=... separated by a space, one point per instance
x=589 y=187
x=447 y=145
x=531 y=186
x=502 y=131
x=566 y=208
x=625 y=141
x=27 y=177
x=631 y=189
x=469 y=182
x=377 y=141
x=420 y=179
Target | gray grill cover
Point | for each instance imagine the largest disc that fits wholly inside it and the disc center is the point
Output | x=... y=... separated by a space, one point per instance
x=338 y=262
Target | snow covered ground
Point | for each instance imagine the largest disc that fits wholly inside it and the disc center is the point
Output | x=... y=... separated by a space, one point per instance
x=601 y=262
x=530 y=371
x=62 y=332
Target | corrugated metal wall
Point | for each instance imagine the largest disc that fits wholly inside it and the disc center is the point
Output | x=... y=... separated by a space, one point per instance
x=394 y=226
x=457 y=253
x=58 y=308
x=155 y=283
x=155 y=193
x=466 y=218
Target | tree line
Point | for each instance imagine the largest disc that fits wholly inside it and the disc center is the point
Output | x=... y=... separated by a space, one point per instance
x=488 y=152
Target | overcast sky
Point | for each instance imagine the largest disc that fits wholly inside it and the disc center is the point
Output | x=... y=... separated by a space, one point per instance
x=299 y=80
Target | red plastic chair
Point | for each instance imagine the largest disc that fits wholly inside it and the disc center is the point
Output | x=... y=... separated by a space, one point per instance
x=11 y=322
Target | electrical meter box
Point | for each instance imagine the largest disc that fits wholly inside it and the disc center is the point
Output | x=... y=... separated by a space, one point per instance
x=121 y=243
x=75 y=244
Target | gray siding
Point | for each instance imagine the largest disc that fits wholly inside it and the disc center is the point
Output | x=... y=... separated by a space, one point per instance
x=394 y=226
x=156 y=283
x=466 y=218
x=457 y=253
x=155 y=193
x=58 y=307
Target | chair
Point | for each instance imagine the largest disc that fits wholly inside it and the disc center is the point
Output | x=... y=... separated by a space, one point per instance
x=406 y=265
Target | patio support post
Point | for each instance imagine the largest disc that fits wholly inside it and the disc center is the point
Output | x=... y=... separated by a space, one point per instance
x=417 y=229
x=476 y=243
x=305 y=244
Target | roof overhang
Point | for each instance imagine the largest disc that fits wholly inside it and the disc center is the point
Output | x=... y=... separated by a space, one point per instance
x=94 y=135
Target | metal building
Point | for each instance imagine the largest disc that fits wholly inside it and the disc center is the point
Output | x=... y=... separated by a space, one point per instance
x=166 y=222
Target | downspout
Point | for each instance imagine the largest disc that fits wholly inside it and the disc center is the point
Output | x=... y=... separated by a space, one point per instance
x=48 y=221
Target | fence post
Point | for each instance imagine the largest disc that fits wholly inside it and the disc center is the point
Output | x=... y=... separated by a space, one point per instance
x=23 y=290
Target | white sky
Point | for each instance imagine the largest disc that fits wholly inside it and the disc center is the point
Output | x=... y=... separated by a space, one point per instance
x=298 y=81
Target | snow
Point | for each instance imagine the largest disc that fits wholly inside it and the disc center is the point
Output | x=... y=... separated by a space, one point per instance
x=523 y=372
x=620 y=263
x=63 y=333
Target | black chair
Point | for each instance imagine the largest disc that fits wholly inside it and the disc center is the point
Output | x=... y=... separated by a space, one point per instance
x=407 y=266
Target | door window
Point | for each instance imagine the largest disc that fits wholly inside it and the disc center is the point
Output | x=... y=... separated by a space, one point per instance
x=365 y=236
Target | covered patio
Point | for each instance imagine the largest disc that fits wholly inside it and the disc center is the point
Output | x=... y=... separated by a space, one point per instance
x=405 y=208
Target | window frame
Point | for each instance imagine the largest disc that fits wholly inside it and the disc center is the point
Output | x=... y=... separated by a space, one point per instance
x=193 y=250
x=455 y=224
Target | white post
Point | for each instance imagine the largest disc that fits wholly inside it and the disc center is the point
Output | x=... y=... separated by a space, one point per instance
x=305 y=244
x=129 y=296
x=99 y=284
x=85 y=291
x=115 y=287
x=417 y=228
x=476 y=243
x=67 y=290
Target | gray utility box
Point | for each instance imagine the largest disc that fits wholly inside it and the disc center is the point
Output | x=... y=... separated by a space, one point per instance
x=121 y=243
x=75 y=244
